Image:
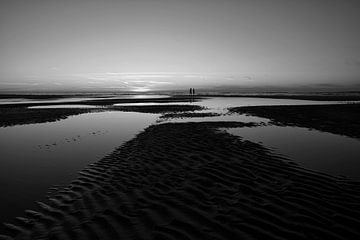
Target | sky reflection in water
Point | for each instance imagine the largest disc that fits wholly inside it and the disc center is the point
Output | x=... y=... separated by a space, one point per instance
x=37 y=156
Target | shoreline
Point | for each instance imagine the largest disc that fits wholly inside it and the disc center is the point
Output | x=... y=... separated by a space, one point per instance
x=314 y=97
x=188 y=180
x=13 y=116
x=343 y=119
x=106 y=101
x=20 y=114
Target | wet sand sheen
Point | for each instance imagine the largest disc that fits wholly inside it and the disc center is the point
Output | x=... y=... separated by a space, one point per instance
x=190 y=181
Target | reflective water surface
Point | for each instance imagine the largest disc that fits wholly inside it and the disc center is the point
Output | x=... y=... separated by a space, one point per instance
x=150 y=104
x=221 y=103
x=321 y=151
x=312 y=149
x=36 y=156
x=63 y=106
x=76 y=99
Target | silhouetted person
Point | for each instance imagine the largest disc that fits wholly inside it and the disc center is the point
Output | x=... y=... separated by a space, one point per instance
x=193 y=92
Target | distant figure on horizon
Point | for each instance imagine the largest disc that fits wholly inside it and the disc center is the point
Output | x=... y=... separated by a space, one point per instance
x=190 y=91
x=193 y=91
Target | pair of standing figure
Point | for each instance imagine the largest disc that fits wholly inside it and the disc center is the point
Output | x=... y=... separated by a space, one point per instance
x=192 y=91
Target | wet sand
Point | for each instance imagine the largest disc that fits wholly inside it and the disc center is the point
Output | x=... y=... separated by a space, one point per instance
x=11 y=116
x=190 y=181
x=343 y=119
x=342 y=96
x=188 y=115
x=32 y=96
x=104 y=101
x=158 y=108
x=20 y=116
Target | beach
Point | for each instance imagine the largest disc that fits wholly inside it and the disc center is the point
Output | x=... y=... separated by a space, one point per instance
x=180 y=120
x=338 y=119
x=192 y=180
x=189 y=181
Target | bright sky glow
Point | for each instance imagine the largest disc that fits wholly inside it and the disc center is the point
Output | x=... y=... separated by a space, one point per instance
x=159 y=44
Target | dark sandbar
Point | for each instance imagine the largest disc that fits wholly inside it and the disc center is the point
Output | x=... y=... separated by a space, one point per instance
x=11 y=116
x=19 y=115
x=189 y=115
x=158 y=108
x=346 y=96
x=343 y=119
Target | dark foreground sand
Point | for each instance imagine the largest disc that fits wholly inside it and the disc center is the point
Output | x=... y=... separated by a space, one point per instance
x=189 y=181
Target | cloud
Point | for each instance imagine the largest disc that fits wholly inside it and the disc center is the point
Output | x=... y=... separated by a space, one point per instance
x=353 y=62
x=139 y=82
x=54 y=68
x=143 y=81
x=248 y=77
x=20 y=83
x=150 y=82
x=327 y=85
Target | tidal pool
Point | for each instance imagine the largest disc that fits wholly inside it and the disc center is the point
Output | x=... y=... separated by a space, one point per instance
x=311 y=149
x=36 y=156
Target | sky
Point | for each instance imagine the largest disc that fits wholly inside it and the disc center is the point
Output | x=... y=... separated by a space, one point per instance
x=142 y=45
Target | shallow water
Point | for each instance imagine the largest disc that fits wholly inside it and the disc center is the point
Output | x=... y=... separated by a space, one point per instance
x=76 y=99
x=312 y=149
x=57 y=100
x=64 y=106
x=226 y=117
x=36 y=156
x=222 y=103
x=150 y=104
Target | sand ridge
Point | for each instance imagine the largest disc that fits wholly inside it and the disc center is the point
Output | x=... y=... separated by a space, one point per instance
x=191 y=181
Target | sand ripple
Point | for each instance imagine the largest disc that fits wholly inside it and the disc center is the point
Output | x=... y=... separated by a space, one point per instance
x=189 y=181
